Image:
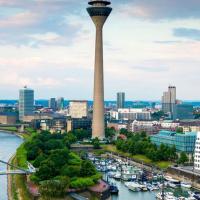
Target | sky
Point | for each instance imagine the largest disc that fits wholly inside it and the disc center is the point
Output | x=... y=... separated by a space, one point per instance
x=48 y=45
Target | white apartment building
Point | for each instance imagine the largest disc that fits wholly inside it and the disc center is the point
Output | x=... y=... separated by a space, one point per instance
x=169 y=124
x=197 y=153
x=130 y=114
x=78 y=109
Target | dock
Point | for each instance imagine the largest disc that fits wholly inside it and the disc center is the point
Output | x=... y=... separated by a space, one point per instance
x=77 y=196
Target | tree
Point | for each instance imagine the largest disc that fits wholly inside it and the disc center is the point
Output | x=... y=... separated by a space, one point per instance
x=39 y=160
x=158 y=115
x=54 y=188
x=96 y=143
x=179 y=130
x=82 y=134
x=183 y=158
x=46 y=170
x=110 y=133
x=87 y=168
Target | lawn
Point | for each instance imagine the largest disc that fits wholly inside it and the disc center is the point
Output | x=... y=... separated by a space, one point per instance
x=140 y=158
x=11 y=128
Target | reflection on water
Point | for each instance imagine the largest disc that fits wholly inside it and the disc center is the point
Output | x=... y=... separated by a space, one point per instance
x=8 y=146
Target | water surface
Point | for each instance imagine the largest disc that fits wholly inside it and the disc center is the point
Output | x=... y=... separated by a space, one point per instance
x=8 y=146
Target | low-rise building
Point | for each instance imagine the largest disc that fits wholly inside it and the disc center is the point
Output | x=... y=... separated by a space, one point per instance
x=8 y=118
x=131 y=114
x=150 y=127
x=117 y=125
x=184 y=142
x=82 y=123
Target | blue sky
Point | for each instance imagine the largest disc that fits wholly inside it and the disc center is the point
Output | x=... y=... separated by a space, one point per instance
x=148 y=44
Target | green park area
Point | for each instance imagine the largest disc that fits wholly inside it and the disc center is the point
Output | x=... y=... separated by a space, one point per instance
x=138 y=158
x=58 y=168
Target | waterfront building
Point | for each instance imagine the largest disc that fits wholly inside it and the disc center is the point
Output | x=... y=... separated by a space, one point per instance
x=169 y=100
x=8 y=118
x=184 y=142
x=78 y=109
x=183 y=111
x=197 y=153
x=52 y=104
x=99 y=12
x=120 y=100
x=130 y=114
x=60 y=103
x=26 y=103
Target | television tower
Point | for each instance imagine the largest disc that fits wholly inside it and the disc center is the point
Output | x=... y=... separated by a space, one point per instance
x=99 y=12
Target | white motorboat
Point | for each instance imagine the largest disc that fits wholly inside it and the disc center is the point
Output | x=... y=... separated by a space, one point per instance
x=167 y=196
x=135 y=187
x=186 y=185
x=143 y=188
x=117 y=176
x=171 y=184
x=170 y=179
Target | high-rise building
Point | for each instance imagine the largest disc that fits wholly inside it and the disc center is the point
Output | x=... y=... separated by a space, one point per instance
x=99 y=12
x=60 y=103
x=78 y=109
x=52 y=103
x=120 y=100
x=169 y=100
x=26 y=103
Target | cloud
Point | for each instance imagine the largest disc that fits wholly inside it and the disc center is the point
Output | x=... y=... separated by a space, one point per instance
x=20 y=20
x=162 y=9
x=34 y=22
x=188 y=33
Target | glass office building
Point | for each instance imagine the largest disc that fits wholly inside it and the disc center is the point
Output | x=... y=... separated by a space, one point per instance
x=184 y=142
x=120 y=100
x=183 y=111
x=26 y=103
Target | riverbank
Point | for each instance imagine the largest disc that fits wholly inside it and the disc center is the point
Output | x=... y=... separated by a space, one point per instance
x=9 y=179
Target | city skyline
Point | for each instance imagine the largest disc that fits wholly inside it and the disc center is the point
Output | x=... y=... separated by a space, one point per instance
x=50 y=41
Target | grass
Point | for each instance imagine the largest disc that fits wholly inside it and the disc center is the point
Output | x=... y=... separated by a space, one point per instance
x=164 y=164
x=140 y=158
x=14 y=129
x=21 y=159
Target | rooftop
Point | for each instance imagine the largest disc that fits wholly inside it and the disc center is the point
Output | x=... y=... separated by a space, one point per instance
x=172 y=133
x=92 y=2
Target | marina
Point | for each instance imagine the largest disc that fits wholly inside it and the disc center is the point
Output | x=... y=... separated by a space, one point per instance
x=137 y=183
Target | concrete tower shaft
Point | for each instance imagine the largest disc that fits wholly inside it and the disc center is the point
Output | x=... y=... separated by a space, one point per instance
x=99 y=12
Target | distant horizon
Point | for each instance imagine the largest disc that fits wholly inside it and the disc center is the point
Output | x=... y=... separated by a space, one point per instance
x=141 y=100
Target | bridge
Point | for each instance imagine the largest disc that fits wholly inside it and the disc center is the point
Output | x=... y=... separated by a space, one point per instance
x=19 y=127
x=18 y=170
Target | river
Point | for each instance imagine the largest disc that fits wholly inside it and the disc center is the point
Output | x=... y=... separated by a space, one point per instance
x=8 y=146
